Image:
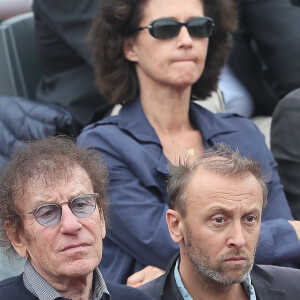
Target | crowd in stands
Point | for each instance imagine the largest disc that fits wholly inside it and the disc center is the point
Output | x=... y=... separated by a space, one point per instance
x=131 y=77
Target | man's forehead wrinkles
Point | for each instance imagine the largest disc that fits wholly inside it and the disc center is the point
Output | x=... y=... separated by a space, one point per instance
x=218 y=207
x=222 y=195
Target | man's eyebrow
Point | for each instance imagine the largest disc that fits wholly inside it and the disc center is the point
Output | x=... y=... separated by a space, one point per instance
x=45 y=201
x=39 y=203
x=220 y=209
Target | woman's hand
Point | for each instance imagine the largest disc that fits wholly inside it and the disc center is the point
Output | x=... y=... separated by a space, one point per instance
x=296 y=225
x=147 y=274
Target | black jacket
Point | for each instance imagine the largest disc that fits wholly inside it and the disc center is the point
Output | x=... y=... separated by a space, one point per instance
x=61 y=31
x=285 y=145
x=265 y=52
x=270 y=282
x=14 y=289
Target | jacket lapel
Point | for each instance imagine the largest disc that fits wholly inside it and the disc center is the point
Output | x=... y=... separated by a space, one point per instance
x=263 y=285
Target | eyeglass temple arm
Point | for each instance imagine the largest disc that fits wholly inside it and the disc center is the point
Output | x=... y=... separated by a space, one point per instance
x=142 y=28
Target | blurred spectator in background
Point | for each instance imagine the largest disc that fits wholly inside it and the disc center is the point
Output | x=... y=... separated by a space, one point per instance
x=264 y=62
x=61 y=29
x=285 y=145
x=295 y=2
x=10 y=8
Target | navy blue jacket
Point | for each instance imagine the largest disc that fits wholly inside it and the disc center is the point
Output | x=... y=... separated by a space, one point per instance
x=14 y=289
x=137 y=166
x=25 y=120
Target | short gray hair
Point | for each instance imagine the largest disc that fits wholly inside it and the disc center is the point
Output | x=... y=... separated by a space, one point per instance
x=219 y=160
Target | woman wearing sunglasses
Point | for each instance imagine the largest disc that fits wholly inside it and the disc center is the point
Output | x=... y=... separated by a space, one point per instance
x=154 y=57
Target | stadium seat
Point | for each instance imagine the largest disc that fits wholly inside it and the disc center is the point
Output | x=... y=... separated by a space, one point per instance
x=20 y=68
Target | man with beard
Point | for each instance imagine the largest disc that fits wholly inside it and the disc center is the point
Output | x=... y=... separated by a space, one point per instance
x=216 y=203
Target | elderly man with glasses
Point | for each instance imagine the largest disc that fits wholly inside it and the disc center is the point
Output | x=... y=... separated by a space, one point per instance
x=54 y=212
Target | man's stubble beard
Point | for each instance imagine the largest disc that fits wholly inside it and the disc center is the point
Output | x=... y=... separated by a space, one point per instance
x=218 y=272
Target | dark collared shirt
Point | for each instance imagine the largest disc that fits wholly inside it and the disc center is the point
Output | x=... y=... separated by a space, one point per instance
x=39 y=287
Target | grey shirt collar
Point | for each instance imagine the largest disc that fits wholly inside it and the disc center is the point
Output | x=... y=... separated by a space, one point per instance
x=40 y=288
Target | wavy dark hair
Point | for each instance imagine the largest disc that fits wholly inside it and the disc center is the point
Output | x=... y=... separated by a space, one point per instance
x=116 y=77
x=48 y=161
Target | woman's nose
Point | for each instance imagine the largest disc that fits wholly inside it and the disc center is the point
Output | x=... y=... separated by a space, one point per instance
x=184 y=36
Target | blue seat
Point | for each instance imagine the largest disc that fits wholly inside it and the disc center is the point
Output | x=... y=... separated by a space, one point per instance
x=20 y=68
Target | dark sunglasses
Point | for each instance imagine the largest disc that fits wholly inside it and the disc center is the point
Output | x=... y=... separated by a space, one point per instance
x=167 y=28
x=81 y=206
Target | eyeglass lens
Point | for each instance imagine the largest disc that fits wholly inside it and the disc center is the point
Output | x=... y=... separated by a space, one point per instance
x=168 y=28
x=50 y=214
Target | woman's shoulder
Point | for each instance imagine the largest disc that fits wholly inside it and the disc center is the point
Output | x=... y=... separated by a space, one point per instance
x=112 y=137
x=244 y=135
x=234 y=118
x=224 y=121
x=220 y=118
x=240 y=124
x=101 y=134
x=111 y=120
x=102 y=127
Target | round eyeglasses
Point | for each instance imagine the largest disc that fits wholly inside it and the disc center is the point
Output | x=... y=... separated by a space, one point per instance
x=167 y=28
x=48 y=215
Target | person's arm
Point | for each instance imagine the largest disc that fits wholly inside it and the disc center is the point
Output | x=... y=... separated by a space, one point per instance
x=137 y=209
x=143 y=276
x=285 y=143
x=278 y=244
x=278 y=241
x=137 y=217
x=281 y=55
x=70 y=20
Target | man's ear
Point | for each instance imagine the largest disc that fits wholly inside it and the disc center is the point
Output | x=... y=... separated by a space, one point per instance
x=16 y=240
x=128 y=49
x=175 y=225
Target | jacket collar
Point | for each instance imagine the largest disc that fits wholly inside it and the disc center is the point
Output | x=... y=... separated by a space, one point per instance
x=169 y=289
x=263 y=285
x=209 y=125
x=261 y=280
x=133 y=120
